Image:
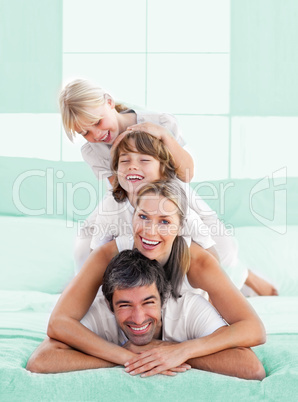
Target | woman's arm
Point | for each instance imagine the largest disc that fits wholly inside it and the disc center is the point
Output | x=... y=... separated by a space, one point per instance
x=246 y=328
x=64 y=324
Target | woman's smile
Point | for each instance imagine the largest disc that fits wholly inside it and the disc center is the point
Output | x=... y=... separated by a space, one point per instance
x=156 y=224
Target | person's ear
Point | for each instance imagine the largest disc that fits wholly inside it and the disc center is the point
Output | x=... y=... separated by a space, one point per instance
x=110 y=102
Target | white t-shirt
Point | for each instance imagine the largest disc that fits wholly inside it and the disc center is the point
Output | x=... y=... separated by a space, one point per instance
x=188 y=317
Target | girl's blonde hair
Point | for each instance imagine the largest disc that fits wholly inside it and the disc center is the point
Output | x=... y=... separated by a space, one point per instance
x=147 y=144
x=178 y=263
x=74 y=100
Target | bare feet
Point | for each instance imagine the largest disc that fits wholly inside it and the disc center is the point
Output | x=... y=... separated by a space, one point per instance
x=260 y=285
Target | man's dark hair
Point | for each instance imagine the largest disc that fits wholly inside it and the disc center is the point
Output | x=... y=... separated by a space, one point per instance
x=130 y=269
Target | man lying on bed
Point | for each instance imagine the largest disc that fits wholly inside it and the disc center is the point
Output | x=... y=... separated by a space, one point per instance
x=135 y=289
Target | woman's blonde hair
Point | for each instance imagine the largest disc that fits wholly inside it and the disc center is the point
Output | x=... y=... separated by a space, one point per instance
x=178 y=263
x=147 y=144
x=74 y=100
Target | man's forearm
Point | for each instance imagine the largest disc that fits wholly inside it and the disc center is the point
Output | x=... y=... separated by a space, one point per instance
x=72 y=333
x=222 y=339
x=56 y=357
x=237 y=362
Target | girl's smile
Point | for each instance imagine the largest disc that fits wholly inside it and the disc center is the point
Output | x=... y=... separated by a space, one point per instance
x=109 y=125
x=106 y=129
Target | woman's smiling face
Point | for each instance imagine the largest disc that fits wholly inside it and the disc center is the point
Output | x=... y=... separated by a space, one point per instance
x=156 y=223
x=136 y=169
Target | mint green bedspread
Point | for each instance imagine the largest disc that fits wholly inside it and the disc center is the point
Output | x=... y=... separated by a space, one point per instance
x=23 y=320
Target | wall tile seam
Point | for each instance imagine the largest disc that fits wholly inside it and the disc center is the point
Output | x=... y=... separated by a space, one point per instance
x=144 y=52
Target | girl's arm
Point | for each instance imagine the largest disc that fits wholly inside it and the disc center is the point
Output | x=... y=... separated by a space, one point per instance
x=246 y=328
x=75 y=301
x=183 y=160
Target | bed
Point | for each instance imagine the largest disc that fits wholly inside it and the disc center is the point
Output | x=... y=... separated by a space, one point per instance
x=41 y=204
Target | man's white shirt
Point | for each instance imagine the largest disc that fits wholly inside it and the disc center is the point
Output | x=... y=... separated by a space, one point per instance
x=189 y=317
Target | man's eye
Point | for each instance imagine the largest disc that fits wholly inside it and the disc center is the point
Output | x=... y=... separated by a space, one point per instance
x=142 y=216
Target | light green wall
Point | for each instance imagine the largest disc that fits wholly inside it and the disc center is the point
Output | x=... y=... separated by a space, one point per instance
x=264 y=58
x=228 y=70
x=30 y=55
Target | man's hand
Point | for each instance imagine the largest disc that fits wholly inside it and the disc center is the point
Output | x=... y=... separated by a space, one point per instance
x=166 y=358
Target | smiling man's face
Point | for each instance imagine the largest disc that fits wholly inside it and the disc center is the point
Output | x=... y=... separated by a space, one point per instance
x=138 y=313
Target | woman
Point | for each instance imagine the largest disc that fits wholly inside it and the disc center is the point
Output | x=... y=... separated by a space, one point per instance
x=88 y=110
x=157 y=221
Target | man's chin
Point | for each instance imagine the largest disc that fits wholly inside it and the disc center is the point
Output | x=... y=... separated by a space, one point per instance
x=140 y=340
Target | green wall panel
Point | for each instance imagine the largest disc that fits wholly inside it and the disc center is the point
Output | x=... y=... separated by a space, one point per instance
x=30 y=55
x=264 y=57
